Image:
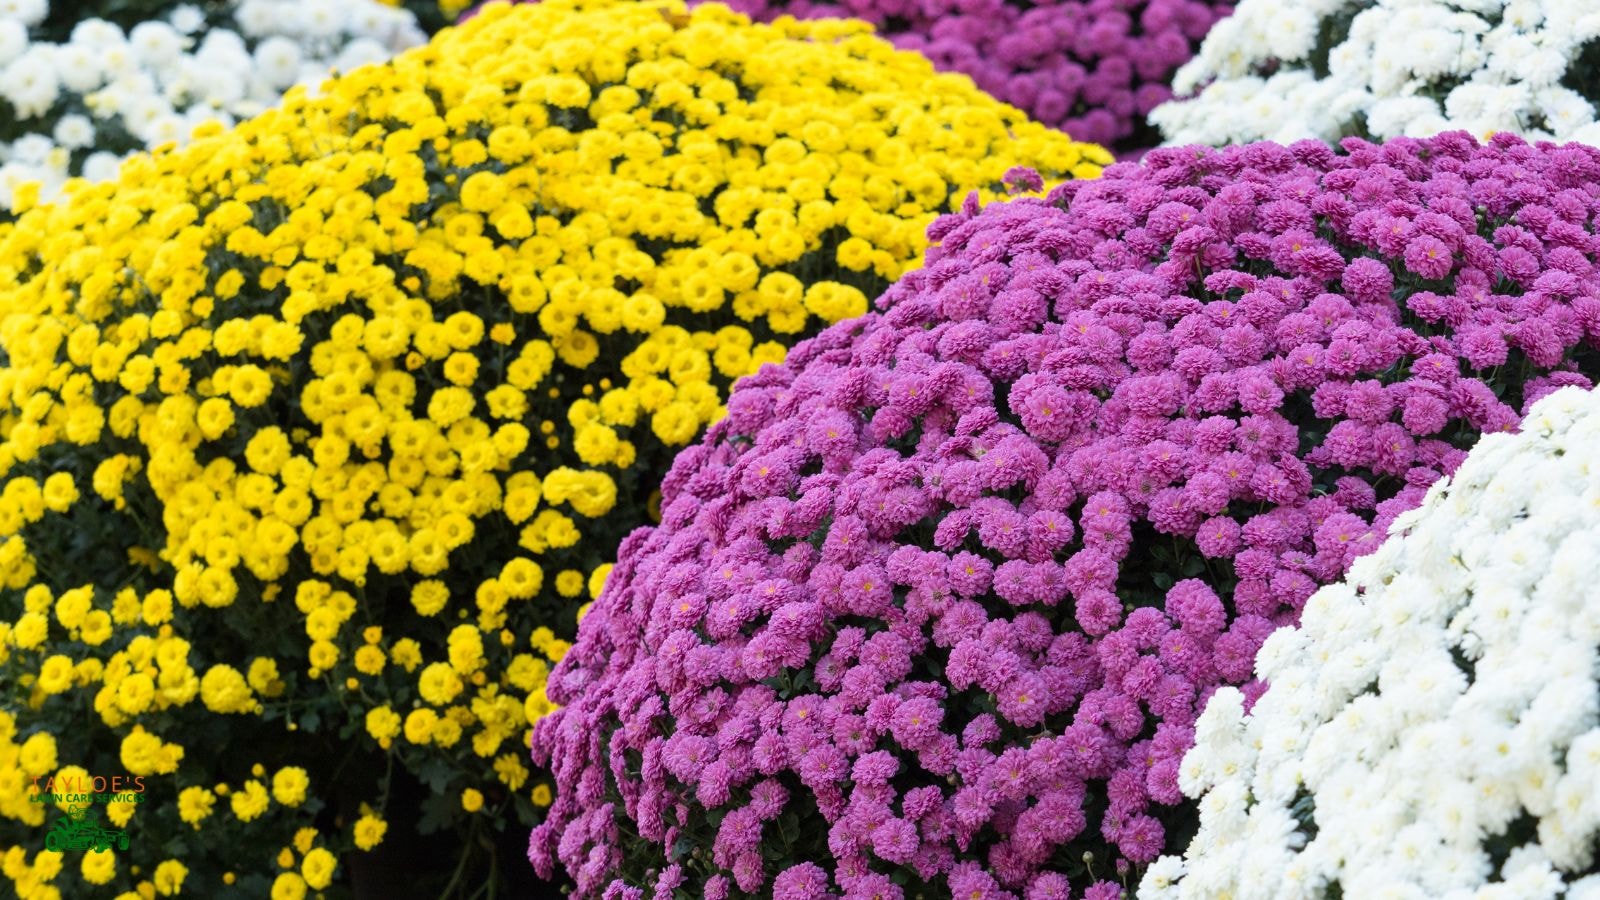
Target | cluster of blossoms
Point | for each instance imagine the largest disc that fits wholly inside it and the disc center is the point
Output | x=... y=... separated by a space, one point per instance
x=1093 y=68
x=31 y=766
x=314 y=434
x=1329 y=68
x=935 y=607
x=78 y=105
x=1431 y=730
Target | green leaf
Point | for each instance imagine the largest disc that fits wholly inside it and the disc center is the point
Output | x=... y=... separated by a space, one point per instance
x=438 y=814
x=435 y=773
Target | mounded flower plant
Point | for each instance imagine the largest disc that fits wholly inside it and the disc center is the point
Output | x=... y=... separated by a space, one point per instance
x=1381 y=68
x=315 y=434
x=1431 y=727
x=934 y=609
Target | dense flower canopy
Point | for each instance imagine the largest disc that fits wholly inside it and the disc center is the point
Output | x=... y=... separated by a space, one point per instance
x=79 y=92
x=1431 y=729
x=1093 y=68
x=1324 y=69
x=934 y=608
x=315 y=433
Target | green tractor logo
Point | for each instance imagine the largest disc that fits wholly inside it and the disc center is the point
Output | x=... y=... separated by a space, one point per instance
x=80 y=830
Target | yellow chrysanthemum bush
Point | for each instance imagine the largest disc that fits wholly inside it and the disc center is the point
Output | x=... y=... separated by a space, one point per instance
x=316 y=433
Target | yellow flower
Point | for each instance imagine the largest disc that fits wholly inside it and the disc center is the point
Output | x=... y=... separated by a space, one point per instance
x=250 y=801
x=569 y=583
x=224 y=690
x=169 y=876
x=439 y=684
x=289 y=886
x=513 y=774
x=55 y=675
x=466 y=650
x=369 y=831
x=73 y=607
x=264 y=677
x=120 y=811
x=195 y=804
x=59 y=492
x=471 y=800
x=317 y=868
x=99 y=866
x=407 y=653
x=542 y=795
x=429 y=596
x=38 y=754
x=383 y=724
x=420 y=724
x=289 y=785
x=597 y=579
x=369 y=660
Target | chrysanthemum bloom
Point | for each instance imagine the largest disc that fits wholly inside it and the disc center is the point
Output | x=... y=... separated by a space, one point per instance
x=1431 y=730
x=935 y=607
x=328 y=424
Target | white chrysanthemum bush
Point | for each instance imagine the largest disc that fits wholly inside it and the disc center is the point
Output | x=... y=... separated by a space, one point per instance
x=1430 y=729
x=1382 y=68
x=83 y=84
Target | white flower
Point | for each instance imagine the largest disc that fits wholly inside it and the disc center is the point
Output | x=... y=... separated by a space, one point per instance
x=257 y=17
x=27 y=12
x=156 y=44
x=31 y=149
x=318 y=18
x=1485 y=710
x=97 y=33
x=13 y=40
x=164 y=129
x=1160 y=878
x=101 y=166
x=78 y=67
x=30 y=83
x=278 y=61
x=1395 y=115
x=74 y=131
x=140 y=111
x=187 y=19
x=360 y=52
x=223 y=48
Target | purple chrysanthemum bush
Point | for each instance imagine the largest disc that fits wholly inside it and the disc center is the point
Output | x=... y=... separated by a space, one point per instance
x=933 y=610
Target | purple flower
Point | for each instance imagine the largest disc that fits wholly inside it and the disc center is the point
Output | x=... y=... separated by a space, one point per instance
x=895 y=840
x=802 y=881
x=975 y=634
